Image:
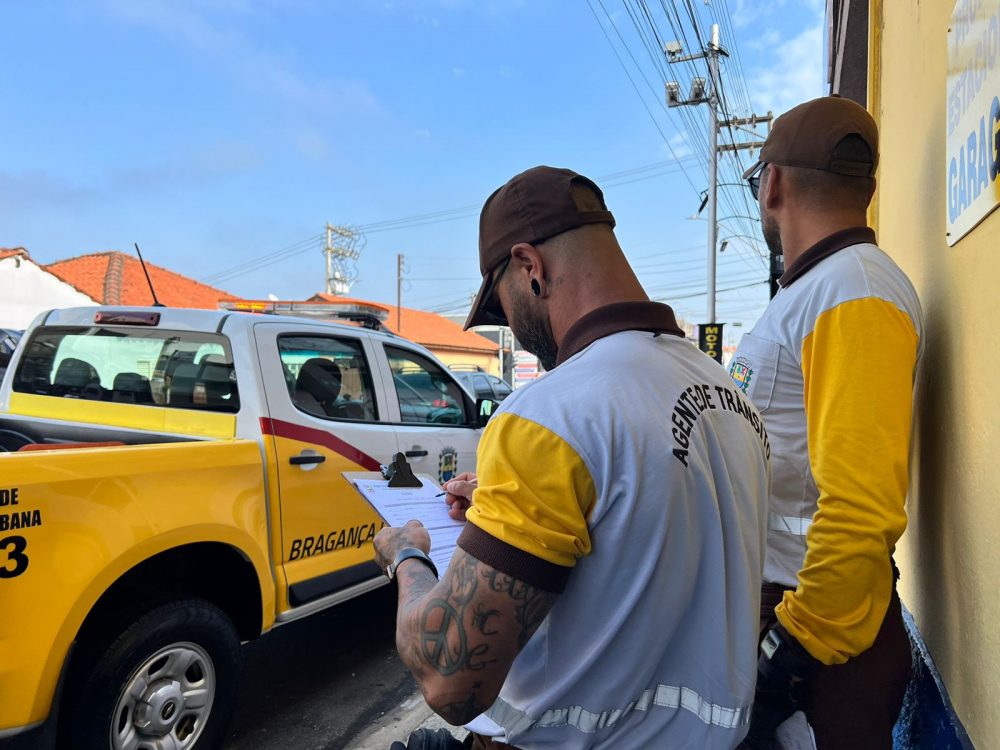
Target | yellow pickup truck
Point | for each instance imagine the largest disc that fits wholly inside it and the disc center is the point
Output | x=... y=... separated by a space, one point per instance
x=171 y=486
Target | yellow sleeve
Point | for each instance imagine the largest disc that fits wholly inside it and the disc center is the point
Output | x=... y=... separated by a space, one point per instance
x=857 y=368
x=534 y=493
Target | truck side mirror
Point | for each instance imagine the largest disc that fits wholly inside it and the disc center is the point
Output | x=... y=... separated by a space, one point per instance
x=484 y=410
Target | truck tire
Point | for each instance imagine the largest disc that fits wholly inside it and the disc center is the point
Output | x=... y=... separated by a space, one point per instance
x=167 y=681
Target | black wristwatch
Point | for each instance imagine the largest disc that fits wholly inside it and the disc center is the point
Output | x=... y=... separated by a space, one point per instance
x=405 y=554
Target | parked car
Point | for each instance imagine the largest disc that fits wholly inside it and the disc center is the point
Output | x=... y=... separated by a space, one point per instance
x=8 y=342
x=172 y=484
x=484 y=385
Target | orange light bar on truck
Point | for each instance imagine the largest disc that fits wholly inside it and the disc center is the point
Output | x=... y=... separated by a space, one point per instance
x=252 y=307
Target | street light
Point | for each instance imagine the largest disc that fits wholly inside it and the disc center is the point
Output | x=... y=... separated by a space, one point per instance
x=673 y=94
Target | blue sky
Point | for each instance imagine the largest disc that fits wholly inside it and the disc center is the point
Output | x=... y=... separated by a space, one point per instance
x=217 y=132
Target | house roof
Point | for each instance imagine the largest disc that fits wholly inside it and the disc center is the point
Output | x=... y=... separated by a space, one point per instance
x=11 y=252
x=426 y=328
x=114 y=278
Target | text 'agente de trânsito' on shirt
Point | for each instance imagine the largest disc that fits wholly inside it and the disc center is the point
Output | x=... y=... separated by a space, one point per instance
x=695 y=400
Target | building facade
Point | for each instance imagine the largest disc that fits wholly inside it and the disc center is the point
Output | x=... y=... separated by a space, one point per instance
x=27 y=289
x=932 y=73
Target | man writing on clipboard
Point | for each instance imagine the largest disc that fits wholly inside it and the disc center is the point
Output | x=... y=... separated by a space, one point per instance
x=605 y=589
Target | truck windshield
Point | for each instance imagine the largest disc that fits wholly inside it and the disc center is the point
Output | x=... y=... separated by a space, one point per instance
x=178 y=369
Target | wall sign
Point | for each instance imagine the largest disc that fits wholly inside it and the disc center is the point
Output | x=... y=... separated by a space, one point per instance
x=710 y=340
x=973 y=107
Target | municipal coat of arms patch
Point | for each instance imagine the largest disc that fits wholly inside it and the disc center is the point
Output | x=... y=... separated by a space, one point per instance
x=741 y=373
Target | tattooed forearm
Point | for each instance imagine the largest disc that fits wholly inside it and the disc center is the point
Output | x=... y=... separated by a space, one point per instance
x=460 y=636
x=533 y=604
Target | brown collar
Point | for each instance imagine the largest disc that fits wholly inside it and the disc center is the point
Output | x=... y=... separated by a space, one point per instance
x=654 y=317
x=824 y=249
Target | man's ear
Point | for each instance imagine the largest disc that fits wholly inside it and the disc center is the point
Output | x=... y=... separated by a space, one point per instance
x=528 y=265
x=774 y=187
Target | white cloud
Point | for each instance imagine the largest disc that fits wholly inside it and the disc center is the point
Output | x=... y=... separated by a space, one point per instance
x=425 y=20
x=458 y=72
x=243 y=59
x=192 y=165
x=764 y=43
x=748 y=12
x=38 y=190
x=794 y=75
x=309 y=142
x=680 y=144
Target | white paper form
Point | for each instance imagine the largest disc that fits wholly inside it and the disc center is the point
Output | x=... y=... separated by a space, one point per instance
x=397 y=505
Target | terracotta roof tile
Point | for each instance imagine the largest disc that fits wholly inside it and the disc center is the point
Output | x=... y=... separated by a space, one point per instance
x=114 y=278
x=10 y=252
x=426 y=328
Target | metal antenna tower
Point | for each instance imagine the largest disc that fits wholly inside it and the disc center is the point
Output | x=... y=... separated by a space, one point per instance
x=343 y=248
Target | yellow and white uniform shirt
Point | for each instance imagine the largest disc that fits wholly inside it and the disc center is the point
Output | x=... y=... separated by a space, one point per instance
x=632 y=479
x=831 y=365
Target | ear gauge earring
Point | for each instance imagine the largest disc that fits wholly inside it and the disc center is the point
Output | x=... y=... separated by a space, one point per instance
x=536 y=288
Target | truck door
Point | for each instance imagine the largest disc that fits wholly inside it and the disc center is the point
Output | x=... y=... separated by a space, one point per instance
x=325 y=418
x=436 y=426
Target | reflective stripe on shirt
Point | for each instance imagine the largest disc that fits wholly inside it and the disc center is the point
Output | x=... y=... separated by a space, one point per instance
x=589 y=722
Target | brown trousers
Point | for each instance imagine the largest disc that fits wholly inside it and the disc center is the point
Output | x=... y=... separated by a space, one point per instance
x=854 y=706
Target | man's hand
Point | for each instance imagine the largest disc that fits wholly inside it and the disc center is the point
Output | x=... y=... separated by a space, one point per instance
x=391 y=540
x=459 y=497
x=783 y=668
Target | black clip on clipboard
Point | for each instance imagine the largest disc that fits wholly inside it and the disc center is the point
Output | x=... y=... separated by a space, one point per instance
x=399 y=473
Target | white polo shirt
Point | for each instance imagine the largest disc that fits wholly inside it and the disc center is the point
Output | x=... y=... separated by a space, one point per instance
x=632 y=479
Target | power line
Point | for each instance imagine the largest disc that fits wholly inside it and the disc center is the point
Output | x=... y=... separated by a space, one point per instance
x=634 y=86
x=263 y=260
x=614 y=179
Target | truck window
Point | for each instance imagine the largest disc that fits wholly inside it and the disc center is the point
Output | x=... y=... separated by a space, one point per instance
x=179 y=369
x=328 y=377
x=427 y=395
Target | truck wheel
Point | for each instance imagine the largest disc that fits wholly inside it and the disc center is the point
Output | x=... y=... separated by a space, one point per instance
x=167 y=682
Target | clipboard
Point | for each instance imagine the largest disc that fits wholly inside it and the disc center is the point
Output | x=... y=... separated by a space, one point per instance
x=397 y=505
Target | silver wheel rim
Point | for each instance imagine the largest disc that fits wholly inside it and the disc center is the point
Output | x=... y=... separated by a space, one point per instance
x=166 y=702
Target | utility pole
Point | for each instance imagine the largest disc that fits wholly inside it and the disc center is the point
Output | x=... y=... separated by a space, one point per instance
x=399 y=291
x=708 y=93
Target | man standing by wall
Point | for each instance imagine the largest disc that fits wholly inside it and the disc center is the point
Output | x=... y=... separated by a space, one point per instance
x=605 y=589
x=831 y=365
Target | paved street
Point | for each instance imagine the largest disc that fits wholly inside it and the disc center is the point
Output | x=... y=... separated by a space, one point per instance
x=314 y=684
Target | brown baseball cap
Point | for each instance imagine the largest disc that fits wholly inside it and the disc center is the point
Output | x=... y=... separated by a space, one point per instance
x=531 y=207
x=807 y=135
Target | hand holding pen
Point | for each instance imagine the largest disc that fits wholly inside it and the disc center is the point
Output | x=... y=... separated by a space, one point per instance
x=458 y=494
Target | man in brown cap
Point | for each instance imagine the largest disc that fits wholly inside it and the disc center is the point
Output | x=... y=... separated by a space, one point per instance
x=604 y=592
x=831 y=365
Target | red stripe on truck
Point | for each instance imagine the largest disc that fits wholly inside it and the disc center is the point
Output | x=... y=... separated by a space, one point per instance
x=292 y=431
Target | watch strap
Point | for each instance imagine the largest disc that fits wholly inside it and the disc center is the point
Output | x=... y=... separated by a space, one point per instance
x=408 y=553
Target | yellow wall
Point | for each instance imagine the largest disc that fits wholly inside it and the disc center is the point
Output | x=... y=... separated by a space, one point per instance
x=950 y=556
x=489 y=362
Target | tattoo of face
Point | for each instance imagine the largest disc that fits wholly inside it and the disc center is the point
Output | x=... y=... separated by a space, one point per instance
x=481 y=618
